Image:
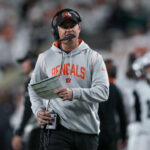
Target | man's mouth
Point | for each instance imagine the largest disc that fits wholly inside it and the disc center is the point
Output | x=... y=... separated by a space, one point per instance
x=68 y=34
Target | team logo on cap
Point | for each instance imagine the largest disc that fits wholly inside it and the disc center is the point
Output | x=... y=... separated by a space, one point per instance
x=66 y=14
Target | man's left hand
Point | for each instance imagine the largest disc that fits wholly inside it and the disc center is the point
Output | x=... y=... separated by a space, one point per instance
x=64 y=93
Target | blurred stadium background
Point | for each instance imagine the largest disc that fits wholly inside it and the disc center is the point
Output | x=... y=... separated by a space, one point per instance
x=118 y=29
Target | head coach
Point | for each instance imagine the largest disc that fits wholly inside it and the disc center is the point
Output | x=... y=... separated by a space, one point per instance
x=83 y=75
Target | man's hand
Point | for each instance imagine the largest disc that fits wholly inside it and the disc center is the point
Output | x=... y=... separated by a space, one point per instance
x=43 y=117
x=64 y=93
x=17 y=142
x=121 y=144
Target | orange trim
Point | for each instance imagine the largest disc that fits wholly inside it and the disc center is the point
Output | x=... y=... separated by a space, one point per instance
x=66 y=14
x=57 y=43
x=79 y=40
x=111 y=80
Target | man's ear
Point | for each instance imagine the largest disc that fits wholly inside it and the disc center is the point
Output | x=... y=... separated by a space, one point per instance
x=79 y=27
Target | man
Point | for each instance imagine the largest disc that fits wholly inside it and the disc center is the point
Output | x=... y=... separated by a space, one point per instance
x=109 y=137
x=140 y=138
x=85 y=83
x=27 y=64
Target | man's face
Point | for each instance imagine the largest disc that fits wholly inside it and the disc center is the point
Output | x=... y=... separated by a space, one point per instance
x=147 y=72
x=26 y=66
x=67 y=28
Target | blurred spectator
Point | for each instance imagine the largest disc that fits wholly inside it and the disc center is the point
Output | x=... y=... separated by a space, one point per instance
x=19 y=141
x=5 y=131
x=6 y=102
x=138 y=19
x=6 y=33
x=118 y=18
x=110 y=139
x=140 y=139
x=6 y=109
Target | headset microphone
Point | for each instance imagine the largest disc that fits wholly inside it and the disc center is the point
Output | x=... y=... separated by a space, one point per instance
x=68 y=37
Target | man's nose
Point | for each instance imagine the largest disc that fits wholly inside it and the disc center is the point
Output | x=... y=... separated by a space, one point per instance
x=69 y=29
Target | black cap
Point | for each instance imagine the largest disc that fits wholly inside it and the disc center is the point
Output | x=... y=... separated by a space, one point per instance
x=66 y=16
x=29 y=55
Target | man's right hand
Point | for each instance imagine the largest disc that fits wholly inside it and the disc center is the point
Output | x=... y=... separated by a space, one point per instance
x=17 y=142
x=43 y=117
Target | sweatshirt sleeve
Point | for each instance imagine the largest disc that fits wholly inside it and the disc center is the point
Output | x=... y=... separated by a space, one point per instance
x=37 y=75
x=99 y=90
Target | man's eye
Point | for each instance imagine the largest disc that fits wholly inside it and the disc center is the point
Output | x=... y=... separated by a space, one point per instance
x=67 y=26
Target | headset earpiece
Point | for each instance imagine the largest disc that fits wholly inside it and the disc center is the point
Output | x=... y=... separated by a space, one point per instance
x=54 y=25
x=55 y=33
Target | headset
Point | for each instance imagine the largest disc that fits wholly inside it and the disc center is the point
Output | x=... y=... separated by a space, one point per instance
x=54 y=24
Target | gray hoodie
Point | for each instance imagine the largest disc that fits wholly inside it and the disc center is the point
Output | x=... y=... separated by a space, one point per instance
x=83 y=70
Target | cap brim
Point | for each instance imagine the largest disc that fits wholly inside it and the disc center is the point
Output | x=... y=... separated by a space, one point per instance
x=21 y=59
x=62 y=21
